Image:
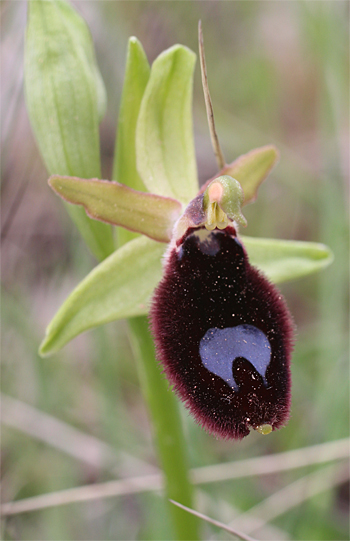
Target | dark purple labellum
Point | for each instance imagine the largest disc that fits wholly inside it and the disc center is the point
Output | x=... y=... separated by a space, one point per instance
x=223 y=335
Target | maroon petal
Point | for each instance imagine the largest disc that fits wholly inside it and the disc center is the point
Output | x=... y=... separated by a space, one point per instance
x=223 y=335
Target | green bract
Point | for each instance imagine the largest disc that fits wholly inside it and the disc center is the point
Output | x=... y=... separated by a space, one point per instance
x=154 y=151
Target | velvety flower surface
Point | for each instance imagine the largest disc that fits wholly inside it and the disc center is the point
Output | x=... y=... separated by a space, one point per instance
x=223 y=334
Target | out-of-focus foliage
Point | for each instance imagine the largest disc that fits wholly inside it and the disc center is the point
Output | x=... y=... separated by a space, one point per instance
x=277 y=74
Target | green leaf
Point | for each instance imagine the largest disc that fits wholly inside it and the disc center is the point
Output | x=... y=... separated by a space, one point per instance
x=136 y=77
x=119 y=287
x=111 y=202
x=65 y=96
x=283 y=260
x=164 y=138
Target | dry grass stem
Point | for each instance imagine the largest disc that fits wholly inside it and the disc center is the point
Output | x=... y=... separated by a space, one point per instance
x=255 y=466
x=84 y=494
x=289 y=460
x=225 y=512
x=237 y=534
x=208 y=103
x=291 y=496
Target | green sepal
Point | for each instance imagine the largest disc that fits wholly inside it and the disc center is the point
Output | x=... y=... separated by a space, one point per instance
x=283 y=260
x=164 y=134
x=119 y=287
x=114 y=203
x=65 y=98
x=250 y=170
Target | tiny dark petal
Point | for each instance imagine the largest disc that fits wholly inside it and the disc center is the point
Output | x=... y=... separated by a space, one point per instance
x=223 y=334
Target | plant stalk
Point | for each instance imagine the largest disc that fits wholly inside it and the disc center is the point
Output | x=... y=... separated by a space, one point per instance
x=167 y=426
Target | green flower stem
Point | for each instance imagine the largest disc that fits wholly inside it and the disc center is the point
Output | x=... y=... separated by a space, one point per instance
x=167 y=426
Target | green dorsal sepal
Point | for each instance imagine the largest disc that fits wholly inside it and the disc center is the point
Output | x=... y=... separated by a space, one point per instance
x=222 y=203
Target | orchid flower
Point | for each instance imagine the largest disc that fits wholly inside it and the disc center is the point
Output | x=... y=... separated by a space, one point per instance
x=177 y=243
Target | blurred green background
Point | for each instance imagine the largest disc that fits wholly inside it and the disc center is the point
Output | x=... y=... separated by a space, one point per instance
x=278 y=73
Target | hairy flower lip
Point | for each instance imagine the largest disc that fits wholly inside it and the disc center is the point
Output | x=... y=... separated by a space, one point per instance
x=203 y=290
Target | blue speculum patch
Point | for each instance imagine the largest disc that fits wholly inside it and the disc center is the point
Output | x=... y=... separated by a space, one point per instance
x=219 y=348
